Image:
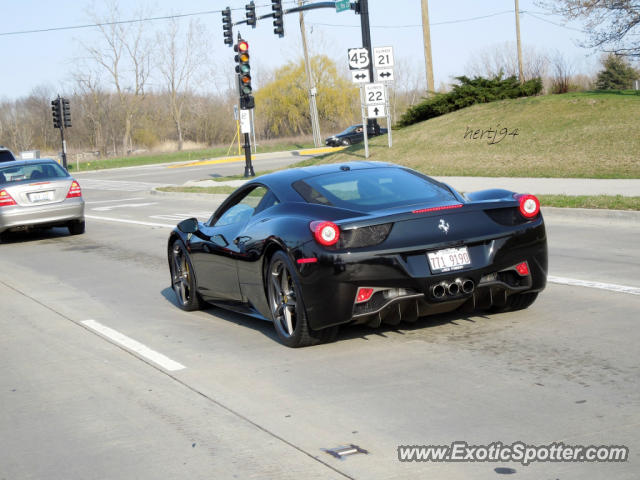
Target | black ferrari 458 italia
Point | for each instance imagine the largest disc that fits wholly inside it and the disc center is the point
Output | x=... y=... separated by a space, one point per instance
x=363 y=243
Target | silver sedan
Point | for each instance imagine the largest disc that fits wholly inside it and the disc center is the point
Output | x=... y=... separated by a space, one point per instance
x=39 y=193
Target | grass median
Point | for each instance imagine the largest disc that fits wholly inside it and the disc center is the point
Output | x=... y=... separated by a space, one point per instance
x=184 y=156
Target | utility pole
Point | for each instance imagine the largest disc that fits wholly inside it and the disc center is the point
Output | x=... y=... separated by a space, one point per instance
x=520 y=74
x=426 y=32
x=313 y=107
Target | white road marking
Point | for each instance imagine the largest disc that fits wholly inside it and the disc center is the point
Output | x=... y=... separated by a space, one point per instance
x=612 y=287
x=181 y=216
x=95 y=184
x=113 y=201
x=134 y=222
x=124 y=205
x=137 y=347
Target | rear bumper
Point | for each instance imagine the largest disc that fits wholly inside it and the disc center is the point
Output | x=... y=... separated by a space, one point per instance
x=41 y=215
x=330 y=286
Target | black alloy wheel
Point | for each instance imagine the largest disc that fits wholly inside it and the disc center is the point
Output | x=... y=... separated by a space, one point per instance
x=182 y=279
x=287 y=309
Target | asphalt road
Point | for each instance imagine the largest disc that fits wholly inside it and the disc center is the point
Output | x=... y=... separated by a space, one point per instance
x=236 y=404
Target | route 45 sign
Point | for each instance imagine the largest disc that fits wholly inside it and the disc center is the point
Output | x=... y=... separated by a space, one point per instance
x=358 y=58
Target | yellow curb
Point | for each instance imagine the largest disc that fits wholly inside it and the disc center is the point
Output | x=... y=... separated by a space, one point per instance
x=313 y=151
x=208 y=162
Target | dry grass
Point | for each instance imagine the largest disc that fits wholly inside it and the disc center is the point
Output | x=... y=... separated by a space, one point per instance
x=586 y=135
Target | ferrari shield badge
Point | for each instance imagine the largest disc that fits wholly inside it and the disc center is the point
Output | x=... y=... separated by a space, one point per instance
x=444 y=226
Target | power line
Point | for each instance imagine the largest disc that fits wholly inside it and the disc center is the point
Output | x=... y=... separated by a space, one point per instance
x=119 y=22
x=447 y=22
x=553 y=23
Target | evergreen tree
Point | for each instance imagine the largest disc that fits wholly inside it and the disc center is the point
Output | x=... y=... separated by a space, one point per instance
x=617 y=74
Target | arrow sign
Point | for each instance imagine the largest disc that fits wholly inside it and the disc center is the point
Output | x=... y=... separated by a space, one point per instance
x=376 y=111
x=385 y=75
x=360 y=76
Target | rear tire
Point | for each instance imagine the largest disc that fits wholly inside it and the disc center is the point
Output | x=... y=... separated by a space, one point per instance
x=287 y=308
x=5 y=236
x=183 y=281
x=77 y=227
x=518 y=301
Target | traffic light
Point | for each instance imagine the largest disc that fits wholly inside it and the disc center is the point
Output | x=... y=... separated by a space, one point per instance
x=66 y=112
x=278 y=22
x=55 y=110
x=251 y=13
x=227 y=27
x=243 y=69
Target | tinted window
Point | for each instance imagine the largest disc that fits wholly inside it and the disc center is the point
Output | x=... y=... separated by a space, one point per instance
x=31 y=172
x=5 y=156
x=371 y=189
x=239 y=212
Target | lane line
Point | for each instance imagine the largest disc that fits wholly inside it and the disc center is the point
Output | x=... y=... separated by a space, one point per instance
x=134 y=222
x=137 y=347
x=111 y=201
x=612 y=287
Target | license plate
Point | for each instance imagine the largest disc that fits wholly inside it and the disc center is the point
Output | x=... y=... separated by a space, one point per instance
x=41 y=196
x=449 y=259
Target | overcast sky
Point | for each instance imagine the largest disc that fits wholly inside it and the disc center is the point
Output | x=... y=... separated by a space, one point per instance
x=461 y=29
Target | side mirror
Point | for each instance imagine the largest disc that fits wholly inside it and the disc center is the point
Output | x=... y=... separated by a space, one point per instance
x=190 y=225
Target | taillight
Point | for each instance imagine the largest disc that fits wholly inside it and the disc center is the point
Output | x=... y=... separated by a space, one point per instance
x=522 y=269
x=74 y=190
x=364 y=294
x=325 y=233
x=529 y=205
x=6 y=200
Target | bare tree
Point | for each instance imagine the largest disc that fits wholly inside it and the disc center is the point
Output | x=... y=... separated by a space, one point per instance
x=179 y=59
x=502 y=59
x=562 y=73
x=612 y=25
x=125 y=55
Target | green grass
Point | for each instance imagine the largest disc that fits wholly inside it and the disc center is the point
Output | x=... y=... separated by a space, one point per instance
x=184 y=156
x=582 y=135
x=237 y=177
x=617 y=202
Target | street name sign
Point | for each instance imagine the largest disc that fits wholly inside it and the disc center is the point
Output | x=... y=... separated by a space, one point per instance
x=358 y=58
x=343 y=5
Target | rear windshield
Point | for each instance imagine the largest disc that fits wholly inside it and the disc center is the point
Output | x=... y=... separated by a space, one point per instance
x=6 y=156
x=31 y=172
x=371 y=189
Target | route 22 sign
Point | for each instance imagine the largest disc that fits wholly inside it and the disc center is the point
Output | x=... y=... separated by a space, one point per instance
x=358 y=58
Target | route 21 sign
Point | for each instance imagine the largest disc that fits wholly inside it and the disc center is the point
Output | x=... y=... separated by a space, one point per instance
x=358 y=58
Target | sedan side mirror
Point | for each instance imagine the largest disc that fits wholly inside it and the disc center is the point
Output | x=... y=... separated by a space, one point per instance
x=190 y=225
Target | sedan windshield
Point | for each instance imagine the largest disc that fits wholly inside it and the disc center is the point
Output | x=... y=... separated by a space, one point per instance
x=31 y=171
x=349 y=130
x=372 y=189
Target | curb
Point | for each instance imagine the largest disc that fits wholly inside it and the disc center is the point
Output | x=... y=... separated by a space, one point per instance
x=209 y=196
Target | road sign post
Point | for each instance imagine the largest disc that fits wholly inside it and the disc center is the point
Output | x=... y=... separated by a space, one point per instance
x=365 y=123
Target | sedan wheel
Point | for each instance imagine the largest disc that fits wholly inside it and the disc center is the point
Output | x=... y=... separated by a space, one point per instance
x=182 y=278
x=287 y=310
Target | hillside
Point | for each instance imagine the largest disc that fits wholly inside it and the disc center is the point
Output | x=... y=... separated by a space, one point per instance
x=587 y=135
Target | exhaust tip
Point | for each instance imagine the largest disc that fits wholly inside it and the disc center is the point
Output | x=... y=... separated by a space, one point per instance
x=453 y=288
x=438 y=291
x=468 y=286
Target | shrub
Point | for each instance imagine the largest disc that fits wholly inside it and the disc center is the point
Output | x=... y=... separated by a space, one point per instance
x=469 y=92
